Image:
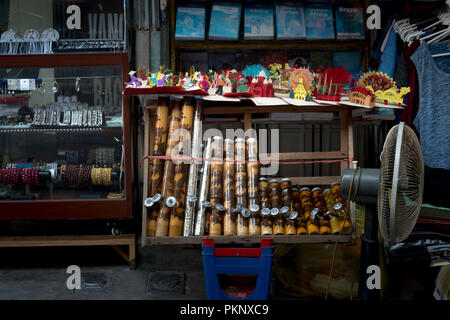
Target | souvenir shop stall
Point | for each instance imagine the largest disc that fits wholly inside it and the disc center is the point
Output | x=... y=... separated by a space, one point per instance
x=65 y=130
x=243 y=61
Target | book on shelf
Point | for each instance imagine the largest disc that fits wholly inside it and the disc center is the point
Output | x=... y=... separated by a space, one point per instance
x=348 y=59
x=349 y=21
x=190 y=22
x=197 y=59
x=277 y=56
x=319 y=21
x=290 y=20
x=320 y=60
x=225 y=21
x=259 y=21
x=217 y=61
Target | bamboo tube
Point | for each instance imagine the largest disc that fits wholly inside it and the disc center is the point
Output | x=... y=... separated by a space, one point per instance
x=181 y=170
x=305 y=192
x=291 y=221
x=159 y=147
x=229 y=227
x=345 y=224
x=334 y=223
x=324 y=224
x=295 y=193
x=191 y=197
x=278 y=222
x=319 y=200
x=266 y=225
x=162 y=224
x=329 y=200
x=285 y=211
x=254 y=226
x=254 y=223
x=241 y=188
x=203 y=204
x=301 y=228
x=336 y=188
x=216 y=188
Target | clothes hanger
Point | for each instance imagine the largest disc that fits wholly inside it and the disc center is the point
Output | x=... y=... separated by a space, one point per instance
x=434 y=37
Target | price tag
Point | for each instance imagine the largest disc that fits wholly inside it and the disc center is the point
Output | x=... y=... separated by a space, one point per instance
x=13 y=84
x=27 y=84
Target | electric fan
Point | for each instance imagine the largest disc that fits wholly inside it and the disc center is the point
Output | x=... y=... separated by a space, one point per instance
x=396 y=188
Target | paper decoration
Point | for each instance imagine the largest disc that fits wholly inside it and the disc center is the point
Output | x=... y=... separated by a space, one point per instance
x=383 y=87
x=362 y=96
x=329 y=84
x=254 y=70
x=300 y=82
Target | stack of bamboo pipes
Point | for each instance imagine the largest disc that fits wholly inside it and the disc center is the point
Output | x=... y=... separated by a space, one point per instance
x=230 y=196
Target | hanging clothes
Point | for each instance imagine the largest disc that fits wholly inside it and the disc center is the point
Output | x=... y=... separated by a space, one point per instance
x=433 y=118
x=412 y=107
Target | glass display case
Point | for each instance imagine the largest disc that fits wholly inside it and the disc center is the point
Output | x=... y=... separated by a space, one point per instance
x=64 y=137
x=46 y=27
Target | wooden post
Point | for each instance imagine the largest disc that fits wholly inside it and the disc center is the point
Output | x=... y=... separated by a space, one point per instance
x=247 y=121
x=147 y=165
x=172 y=18
x=344 y=137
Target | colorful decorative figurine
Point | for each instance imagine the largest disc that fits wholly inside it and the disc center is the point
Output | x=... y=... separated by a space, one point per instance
x=329 y=84
x=300 y=82
x=384 y=88
x=362 y=96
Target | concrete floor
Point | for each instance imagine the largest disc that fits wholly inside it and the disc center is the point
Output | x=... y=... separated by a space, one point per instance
x=40 y=273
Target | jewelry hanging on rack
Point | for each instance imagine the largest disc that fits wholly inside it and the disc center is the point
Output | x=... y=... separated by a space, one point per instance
x=77 y=85
x=55 y=86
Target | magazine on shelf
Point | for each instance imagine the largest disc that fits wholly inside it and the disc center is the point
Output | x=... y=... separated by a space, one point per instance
x=258 y=21
x=349 y=22
x=290 y=17
x=225 y=21
x=319 y=21
x=190 y=22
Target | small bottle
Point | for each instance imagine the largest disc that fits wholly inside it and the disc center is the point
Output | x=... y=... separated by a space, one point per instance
x=301 y=225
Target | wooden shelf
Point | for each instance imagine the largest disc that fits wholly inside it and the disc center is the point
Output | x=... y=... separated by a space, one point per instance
x=272 y=44
x=78 y=240
x=249 y=239
x=233 y=109
x=60 y=129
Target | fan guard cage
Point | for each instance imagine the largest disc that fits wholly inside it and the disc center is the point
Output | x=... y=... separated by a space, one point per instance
x=401 y=184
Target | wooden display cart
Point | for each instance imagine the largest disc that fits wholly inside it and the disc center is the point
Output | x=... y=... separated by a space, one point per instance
x=246 y=112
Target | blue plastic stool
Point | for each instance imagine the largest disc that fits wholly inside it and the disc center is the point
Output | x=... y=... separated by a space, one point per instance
x=250 y=261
